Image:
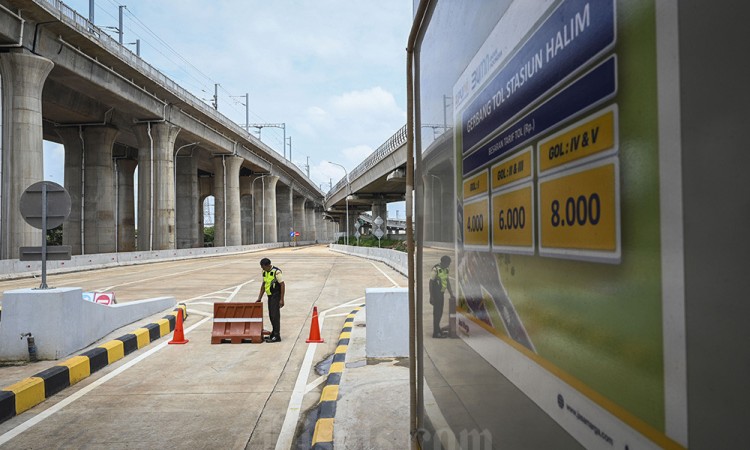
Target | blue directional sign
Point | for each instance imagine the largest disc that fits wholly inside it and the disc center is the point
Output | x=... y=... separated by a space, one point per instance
x=572 y=36
x=589 y=90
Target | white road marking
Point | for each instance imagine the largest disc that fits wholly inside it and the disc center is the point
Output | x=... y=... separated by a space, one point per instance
x=317 y=382
x=286 y=434
x=172 y=274
x=201 y=313
x=57 y=407
x=385 y=274
x=223 y=291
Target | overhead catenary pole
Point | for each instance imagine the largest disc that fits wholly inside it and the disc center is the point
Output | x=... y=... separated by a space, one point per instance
x=119 y=26
x=247 y=112
x=260 y=126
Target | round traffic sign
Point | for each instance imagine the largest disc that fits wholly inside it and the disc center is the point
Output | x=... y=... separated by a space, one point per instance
x=57 y=207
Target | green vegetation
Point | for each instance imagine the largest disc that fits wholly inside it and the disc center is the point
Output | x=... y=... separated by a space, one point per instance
x=54 y=236
x=372 y=241
x=208 y=236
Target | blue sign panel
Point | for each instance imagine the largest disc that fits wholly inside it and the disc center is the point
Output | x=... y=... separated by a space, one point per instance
x=575 y=33
x=589 y=90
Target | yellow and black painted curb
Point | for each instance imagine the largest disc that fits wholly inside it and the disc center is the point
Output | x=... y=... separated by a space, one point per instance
x=25 y=394
x=323 y=435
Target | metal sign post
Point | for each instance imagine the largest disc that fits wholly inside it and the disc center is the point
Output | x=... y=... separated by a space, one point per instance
x=377 y=231
x=45 y=205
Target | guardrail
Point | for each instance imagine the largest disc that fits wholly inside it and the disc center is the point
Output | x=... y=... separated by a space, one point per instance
x=393 y=258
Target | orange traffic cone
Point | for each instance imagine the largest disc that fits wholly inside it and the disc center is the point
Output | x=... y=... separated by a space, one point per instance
x=179 y=335
x=314 y=329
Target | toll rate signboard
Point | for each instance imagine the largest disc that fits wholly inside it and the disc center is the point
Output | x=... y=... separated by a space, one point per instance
x=558 y=256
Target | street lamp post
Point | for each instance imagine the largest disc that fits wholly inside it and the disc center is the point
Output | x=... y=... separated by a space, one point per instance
x=346 y=235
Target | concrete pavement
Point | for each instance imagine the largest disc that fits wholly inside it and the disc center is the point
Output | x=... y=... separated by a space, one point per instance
x=229 y=396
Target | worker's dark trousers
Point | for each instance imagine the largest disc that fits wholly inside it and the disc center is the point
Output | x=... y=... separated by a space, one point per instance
x=274 y=313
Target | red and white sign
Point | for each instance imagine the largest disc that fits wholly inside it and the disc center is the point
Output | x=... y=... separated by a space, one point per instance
x=104 y=298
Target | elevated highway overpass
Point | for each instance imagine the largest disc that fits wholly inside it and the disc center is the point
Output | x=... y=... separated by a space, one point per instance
x=378 y=180
x=65 y=80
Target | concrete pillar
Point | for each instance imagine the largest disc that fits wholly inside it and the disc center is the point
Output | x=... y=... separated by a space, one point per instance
x=72 y=139
x=247 y=210
x=99 y=196
x=258 y=207
x=233 y=218
x=310 y=222
x=227 y=218
x=125 y=205
x=269 y=214
x=156 y=189
x=299 y=217
x=429 y=222
x=320 y=225
x=284 y=212
x=380 y=209
x=23 y=77
x=187 y=203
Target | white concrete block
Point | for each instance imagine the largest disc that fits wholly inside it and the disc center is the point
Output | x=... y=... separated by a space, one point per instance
x=387 y=322
x=62 y=322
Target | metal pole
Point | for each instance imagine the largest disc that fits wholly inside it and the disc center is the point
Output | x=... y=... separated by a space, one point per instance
x=91 y=11
x=119 y=29
x=290 y=146
x=247 y=112
x=44 y=237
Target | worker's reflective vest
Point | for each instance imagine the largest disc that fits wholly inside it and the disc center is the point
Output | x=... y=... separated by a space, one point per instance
x=442 y=275
x=269 y=279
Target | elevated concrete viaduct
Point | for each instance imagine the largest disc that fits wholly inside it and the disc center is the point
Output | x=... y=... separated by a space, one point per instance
x=375 y=182
x=66 y=81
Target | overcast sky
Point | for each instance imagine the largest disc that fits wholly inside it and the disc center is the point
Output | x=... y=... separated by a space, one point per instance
x=332 y=71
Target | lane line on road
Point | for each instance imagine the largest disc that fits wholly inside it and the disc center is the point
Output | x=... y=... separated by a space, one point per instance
x=172 y=274
x=63 y=403
x=222 y=291
x=385 y=274
x=201 y=313
x=317 y=382
x=286 y=434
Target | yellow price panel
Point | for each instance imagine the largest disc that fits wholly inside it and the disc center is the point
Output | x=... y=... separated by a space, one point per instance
x=476 y=185
x=477 y=224
x=579 y=213
x=512 y=169
x=513 y=220
x=594 y=135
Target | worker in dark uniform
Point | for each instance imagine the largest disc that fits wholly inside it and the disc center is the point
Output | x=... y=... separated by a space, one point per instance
x=439 y=283
x=273 y=286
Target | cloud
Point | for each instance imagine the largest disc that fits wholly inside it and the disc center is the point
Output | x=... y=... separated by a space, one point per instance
x=333 y=72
